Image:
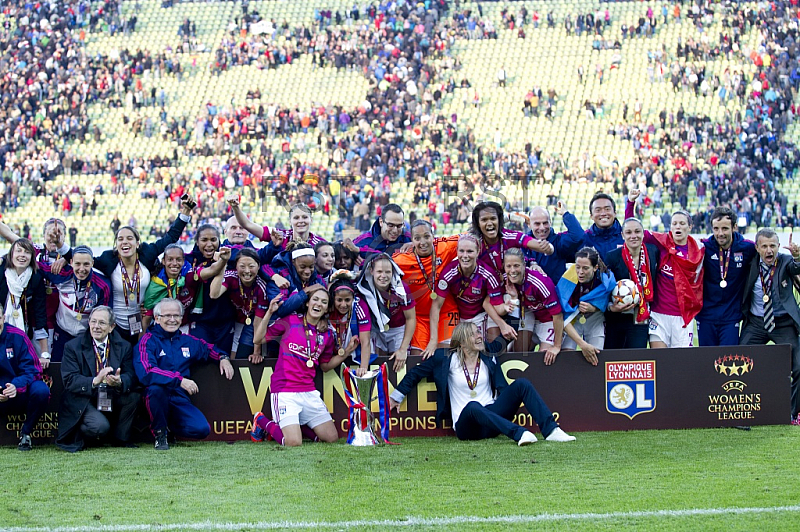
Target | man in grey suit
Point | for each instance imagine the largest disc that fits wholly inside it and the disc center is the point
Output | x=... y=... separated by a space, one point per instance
x=769 y=308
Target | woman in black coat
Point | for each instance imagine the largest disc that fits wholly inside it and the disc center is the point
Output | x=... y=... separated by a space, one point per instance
x=129 y=267
x=22 y=295
x=627 y=325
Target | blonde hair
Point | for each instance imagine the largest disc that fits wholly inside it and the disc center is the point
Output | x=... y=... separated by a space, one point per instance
x=462 y=334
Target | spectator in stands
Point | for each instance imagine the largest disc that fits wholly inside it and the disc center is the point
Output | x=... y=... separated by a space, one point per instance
x=565 y=244
x=166 y=376
x=79 y=289
x=726 y=265
x=129 y=266
x=387 y=233
x=99 y=386
x=304 y=345
x=532 y=307
x=22 y=295
x=481 y=403
x=21 y=380
x=584 y=291
x=248 y=294
x=627 y=325
x=605 y=233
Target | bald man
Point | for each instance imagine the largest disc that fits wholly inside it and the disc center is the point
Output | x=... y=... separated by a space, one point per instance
x=565 y=244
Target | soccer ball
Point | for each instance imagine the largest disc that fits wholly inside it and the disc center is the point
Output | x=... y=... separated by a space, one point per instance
x=626 y=293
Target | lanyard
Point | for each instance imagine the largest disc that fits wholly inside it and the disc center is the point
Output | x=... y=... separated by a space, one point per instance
x=766 y=283
x=498 y=270
x=474 y=381
x=86 y=298
x=723 y=266
x=248 y=298
x=430 y=281
x=312 y=356
x=130 y=286
x=100 y=358
x=464 y=285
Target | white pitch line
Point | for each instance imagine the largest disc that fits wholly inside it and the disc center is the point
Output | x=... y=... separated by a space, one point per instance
x=414 y=521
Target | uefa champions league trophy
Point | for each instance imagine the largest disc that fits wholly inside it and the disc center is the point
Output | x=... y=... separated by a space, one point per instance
x=359 y=394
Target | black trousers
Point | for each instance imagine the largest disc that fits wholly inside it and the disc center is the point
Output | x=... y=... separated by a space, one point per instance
x=97 y=424
x=478 y=422
x=625 y=334
x=784 y=332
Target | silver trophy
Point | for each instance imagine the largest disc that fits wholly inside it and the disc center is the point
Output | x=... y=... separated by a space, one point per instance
x=362 y=422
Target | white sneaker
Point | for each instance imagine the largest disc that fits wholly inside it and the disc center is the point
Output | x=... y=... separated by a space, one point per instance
x=559 y=435
x=527 y=438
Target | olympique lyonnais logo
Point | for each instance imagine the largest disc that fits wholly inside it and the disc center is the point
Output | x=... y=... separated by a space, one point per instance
x=631 y=387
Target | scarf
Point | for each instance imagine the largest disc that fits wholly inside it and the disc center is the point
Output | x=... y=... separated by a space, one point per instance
x=377 y=307
x=598 y=297
x=16 y=286
x=158 y=288
x=646 y=288
x=687 y=272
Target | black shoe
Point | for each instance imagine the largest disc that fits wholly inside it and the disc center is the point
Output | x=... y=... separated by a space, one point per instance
x=161 y=441
x=25 y=443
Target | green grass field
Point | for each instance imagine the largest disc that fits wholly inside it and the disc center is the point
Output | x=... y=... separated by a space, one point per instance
x=659 y=480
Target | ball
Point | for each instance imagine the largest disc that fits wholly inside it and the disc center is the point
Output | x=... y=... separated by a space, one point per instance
x=625 y=293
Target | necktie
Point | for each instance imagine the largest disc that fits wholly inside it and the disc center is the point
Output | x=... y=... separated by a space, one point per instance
x=102 y=349
x=769 y=316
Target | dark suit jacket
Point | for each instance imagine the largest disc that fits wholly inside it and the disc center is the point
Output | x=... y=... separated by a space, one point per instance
x=438 y=367
x=781 y=284
x=77 y=372
x=617 y=266
x=33 y=305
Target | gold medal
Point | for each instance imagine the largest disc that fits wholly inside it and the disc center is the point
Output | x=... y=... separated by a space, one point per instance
x=49 y=290
x=434 y=296
x=196 y=277
x=78 y=316
x=341 y=351
x=582 y=320
x=248 y=321
x=386 y=327
x=473 y=394
x=310 y=363
x=15 y=314
x=765 y=298
x=723 y=283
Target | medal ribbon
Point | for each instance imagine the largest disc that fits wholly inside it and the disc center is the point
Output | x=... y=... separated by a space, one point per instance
x=498 y=269
x=430 y=281
x=247 y=298
x=464 y=285
x=474 y=382
x=101 y=358
x=766 y=284
x=82 y=310
x=341 y=334
x=312 y=355
x=723 y=268
x=130 y=286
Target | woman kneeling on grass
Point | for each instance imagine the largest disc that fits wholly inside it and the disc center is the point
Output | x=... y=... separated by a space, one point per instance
x=305 y=342
x=471 y=382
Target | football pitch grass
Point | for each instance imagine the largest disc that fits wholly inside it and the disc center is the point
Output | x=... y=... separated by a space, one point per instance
x=715 y=479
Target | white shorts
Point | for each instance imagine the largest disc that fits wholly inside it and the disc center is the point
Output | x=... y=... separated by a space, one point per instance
x=299 y=408
x=484 y=323
x=670 y=330
x=388 y=341
x=544 y=332
x=593 y=331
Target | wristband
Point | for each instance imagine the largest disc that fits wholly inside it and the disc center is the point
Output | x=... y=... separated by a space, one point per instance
x=45 y=355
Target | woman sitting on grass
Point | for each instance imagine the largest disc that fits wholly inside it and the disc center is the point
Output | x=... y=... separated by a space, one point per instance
x=471 y=383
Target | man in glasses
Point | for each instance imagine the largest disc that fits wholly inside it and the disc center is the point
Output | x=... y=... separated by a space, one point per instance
x=98 y=398
x=163 y=362
x=388 y=233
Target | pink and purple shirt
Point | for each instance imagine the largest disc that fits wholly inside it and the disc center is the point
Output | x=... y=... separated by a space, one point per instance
x=248 y=301
x=291 y=372
x=469 y=291
x=492 y=256
x=396 y=307
x=288 y=235
x=538 y=295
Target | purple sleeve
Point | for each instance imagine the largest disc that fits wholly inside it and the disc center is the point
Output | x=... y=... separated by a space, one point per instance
x=262 y=303
x=362 y=316
x=277 y=329
x=327 y=350
x=629 y=210
x=494 y=289
x=409 y=298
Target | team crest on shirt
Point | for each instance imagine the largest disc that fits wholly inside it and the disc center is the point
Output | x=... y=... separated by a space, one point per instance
x=476 y=290
x=185 y=351
x=738 y=258
x=442 y=284
x=9 y=353
x=631 y=387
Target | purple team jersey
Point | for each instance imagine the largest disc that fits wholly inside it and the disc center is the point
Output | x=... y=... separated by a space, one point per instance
x=469 y=291
x=538 y=295
x=291 y=372
x=492 y=256
x=257 y=292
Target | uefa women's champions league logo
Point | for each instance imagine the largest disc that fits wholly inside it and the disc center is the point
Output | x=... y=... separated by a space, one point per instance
x=631 y=387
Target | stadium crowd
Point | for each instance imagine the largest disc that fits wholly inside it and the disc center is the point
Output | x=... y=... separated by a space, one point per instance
x=133 y=321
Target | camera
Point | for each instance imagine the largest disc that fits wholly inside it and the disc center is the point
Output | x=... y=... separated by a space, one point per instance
x=191 y=203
